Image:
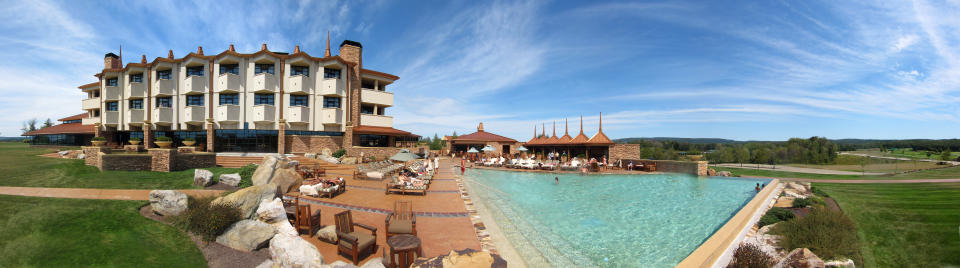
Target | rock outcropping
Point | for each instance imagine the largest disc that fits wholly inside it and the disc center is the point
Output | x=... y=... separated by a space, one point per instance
x=202 y=177
x=232 y=179
x=168 y=202
x=248 y=199
x=462 y=258
x=801 y=258
x=279 y=170
x=247 y=235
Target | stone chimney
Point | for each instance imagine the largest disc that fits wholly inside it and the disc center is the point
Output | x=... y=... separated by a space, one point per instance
x=264 y=47
x=296 y=49
x=352 y=51
x=143 y=59
x=231 y=48
x=111 y=61
x=480 y=127
x=200 y=50
x=170 y=54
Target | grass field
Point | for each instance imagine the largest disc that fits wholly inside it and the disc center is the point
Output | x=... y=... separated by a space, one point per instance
x=878 y=165
x=903 y=225
x=22 y=166
x=941 y=173
x=905 y=153
x=52 y=232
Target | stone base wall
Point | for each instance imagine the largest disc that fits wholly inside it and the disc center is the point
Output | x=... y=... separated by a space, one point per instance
x=624 y=151
x=138 y=162
x=133 y=148
x=698 y=168
x=298 y=144
x=92 y=155
x=186 y=149
x=161 y=159
x=195 y=160
x=379 y=153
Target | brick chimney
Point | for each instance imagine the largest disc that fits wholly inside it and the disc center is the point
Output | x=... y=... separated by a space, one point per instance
x=352 y=51
x=111 y=61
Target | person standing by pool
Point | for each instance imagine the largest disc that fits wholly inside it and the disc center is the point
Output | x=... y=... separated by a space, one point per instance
x=462 y=167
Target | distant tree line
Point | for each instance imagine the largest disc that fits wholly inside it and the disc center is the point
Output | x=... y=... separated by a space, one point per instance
x=916 y=144
x=815 y=150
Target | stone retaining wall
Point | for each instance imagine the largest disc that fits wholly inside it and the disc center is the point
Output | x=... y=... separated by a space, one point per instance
x=91 y=155
x=624 y=151
x=137 y=162
x=380 y=153
x=698 y=168
x=298 y=144
x=163 y=160
x=195 y=160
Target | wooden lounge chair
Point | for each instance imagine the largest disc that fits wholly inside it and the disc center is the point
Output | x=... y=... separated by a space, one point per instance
x=354 y=243
x=402 y=220
x=341 y=187
x=307 y=220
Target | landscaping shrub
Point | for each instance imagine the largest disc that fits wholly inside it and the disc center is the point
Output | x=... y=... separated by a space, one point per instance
x=164 y=138
x=750 y=256
x=775 y=215
x=246 y=175
x=135 y=139
x=819 y=191
x=205 y=219
x=339 y=153
x=802 y=202
x=99 y=139
x=829 y=234
x=189 y=139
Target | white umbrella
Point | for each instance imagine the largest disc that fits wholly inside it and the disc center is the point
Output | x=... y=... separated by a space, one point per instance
x=473 y=150
x=522 y=149
x=488 y=148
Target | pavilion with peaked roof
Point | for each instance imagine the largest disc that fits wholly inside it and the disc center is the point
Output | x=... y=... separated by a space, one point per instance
x=482 y=138
x=596 y=146
x=70 y=132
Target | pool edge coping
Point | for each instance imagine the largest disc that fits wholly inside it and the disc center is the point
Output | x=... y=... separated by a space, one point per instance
x=719 y=247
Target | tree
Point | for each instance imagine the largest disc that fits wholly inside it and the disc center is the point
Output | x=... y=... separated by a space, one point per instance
x=946 y=155
x=47 y=123
x=29 y=125
x=454 y=136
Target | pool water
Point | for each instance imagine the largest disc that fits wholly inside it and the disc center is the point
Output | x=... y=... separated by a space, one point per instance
x=651 y=220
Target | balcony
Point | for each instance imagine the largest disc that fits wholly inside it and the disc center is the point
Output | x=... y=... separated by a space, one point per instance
x=91 y=104
x=111 y=93
x=163 y=115
x=376 y=120
x=297 y=115
x=332 y=86
x=194 y=114
x=228 y=83
x=194 y=83
x=89 y=120
x=165 y=87
x=382 y=98
x=264 y=82
x=135 y=116
x=331 y=116
x=264 y=113
x=111 y=118
x=228 y=113
x=299 y=84
x=137 y=89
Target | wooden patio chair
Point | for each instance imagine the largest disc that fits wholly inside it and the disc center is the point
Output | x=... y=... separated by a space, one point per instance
x=354 y=243
x=402 y=220
x=307 y=219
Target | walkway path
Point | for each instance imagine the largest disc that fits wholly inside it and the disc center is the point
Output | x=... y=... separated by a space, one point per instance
x=900 y=158
x=87 y=193
x=799 y=169
x=862 y=181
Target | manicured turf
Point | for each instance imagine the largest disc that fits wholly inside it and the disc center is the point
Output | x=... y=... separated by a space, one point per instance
x=903 y=225
x=941 y=173
x=52 y=232
x=21 y=165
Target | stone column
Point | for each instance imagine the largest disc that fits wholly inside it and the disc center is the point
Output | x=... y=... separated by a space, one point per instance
x=347 y=141
x=96 y=129
x=281 y=137
x=162 y=160
x=210 y=134
x=147 y=135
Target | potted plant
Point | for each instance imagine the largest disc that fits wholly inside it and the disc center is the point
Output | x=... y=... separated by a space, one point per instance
x=163 y=141
x=189 y=142
x=98 y=141
x=134 y=140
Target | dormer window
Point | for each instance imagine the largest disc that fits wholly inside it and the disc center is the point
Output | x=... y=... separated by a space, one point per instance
x=136 y=78
x=112 y=82
x=263 y=68
x=163 y=74
x=300 y=70
x=331 y=73
x=195 y=71
x=230 y=69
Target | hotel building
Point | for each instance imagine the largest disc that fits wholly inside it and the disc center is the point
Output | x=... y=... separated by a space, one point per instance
x=265 y=101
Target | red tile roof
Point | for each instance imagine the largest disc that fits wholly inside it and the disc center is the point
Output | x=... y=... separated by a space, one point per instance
x=600 y=138
x=481 y=135
x=71 y=128
x=382 y=130
x=74 y=117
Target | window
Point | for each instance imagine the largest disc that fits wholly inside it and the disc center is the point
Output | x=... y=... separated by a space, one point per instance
x=136 y=78
x=164 y=74
x=331 y=73
x=165 y=102
x=300 y=100
x=227 y=98
x=366 y=109
x=229 y=68
x=111 y=105
x=331 y=102
x=112 y=82
x=263 y=99
x=367 y=140
x=96 y=113
x=96 y=94
x=195 y=71
x=300 y=70
x=263 y=68
x=136 y=104
x=194 y=100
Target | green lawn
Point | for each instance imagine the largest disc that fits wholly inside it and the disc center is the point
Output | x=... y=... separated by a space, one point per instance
x=905 y=153
x=21 y=165
x=942 y=173
x=903 y=225
x=52 y=232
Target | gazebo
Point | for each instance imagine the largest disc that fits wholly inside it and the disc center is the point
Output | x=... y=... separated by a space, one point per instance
x=481 y=139
x=594 y=147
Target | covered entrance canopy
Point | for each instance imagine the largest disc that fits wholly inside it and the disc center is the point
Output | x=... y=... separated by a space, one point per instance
x=597 y=146
x=481 y=139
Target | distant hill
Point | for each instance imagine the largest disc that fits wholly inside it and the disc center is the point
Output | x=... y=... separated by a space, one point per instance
x=2 y=139
x=687 y=140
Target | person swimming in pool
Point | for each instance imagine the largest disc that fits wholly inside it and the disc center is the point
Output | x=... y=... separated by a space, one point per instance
x=557 y=179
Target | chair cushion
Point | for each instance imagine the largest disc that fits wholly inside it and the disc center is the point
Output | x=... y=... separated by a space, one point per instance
x=363 y=240
x=401 y=227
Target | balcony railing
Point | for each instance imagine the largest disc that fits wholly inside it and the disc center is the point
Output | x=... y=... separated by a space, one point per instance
x=228 y=82
x=331 y=116
x=90 y=120
x=299 y=84
x=264 y=82
x=376 y=120
x=135 y=116
x=138 y=90
x=228 y=113
x=194 y=114
x=332 y=86
x=111 y=93
x=163 y=115
x=297 y=115
x=264 y=113
x=376 y=97
x=111 y=118
x=165 y=87
x=194 y=83
x=91 y=104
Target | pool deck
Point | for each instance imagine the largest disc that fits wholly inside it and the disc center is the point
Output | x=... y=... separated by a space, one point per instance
x=717 y=250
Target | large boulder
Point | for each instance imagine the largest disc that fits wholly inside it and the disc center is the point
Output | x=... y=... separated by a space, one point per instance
x=168 y=202
x=248 y=199
x=373 y=263
x=310 y=155
x=247 y=235
x=279 y=170
x=848 y=263
x=287 y=179
x=264 y=172
x=765 y=241
x=463 y=258
x=81 y=156
x=232 y=179
x=290 y=250
x=329 y=159
x=724 y=173
x=202 y=177
x=711 y=172
x=801 y=258
x=326 y=151
x=268 y=264
x=272 y=211
x=348 y=160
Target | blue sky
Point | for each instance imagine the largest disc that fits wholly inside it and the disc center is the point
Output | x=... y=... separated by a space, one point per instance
x=745 y=70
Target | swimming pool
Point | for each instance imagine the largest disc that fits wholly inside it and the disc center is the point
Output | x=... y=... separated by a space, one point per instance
x=651 y=220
